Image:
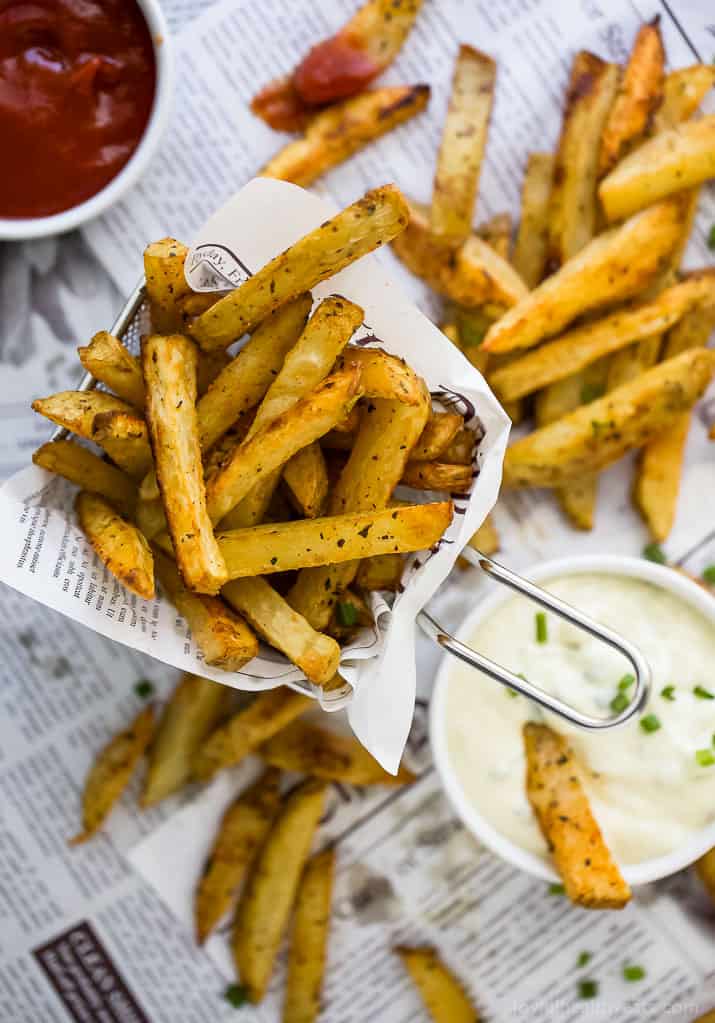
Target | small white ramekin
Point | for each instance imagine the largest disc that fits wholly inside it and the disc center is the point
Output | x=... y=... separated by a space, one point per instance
x=21 y=228
x=635 y=873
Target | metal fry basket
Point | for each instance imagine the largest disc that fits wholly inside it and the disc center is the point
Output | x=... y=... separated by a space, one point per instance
x=128 y=326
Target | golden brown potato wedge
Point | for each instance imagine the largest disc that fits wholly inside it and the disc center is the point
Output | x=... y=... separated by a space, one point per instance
x=461 y=449
x=590 y=874
x=149 y=516
x=309 y=749
x=208 y=367
x=342 y=129
x=532 y=238
x=438 y=434
x=683 y=92
x=464 y=139
x=223 y=638
x=279 y=624
x=497 y=232
x=680 y=158
x=613 y=266
x=657 y=480
x=119 y=545
x=243 y=830
x=597 y=434
x=165 y=283
x=372 y=221
x=383 y=573
x=309 y=940
x=125 y=438
x=443 y=995
x=265 y=906
x=382 y=376
x=90 y=472
x=111 y=772
x=253 y=725
x=307 y=479
x=106 y=358
x=192 y=712
x=455 y=479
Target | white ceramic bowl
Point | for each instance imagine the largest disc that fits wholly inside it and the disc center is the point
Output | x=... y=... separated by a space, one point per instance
x=16 y=229
x=635 y=873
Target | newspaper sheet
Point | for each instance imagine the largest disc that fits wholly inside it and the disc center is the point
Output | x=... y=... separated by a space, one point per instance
x=97 y=932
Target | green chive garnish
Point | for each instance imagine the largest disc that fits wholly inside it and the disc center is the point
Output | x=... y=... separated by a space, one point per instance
x=589 y=393
x=702 y=693
x=650 y=723
x=709 y=574
x=542 y=631
x=236 y=995
x=654 y=552
x=668 y=693
x=587 y=988
x=619 y=702
x=347 y=614
x=583 y=959
x=144 y=688
x=626 y=682
x=711 y=238
x=704 y=757
x=632 y=973
x=556 y=889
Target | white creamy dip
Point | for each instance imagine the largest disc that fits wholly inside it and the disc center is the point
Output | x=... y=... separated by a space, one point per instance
x=648 y=790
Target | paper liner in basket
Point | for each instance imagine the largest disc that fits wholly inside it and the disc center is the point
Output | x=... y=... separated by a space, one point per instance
x=45 y=555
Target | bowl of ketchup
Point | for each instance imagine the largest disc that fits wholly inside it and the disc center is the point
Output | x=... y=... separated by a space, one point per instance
x=84 y=97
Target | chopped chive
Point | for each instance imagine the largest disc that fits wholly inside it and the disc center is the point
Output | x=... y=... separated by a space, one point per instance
x=556 y=889
x=587 y=988
x=144 y=688
x=704 y=757
x=510 y=692
x=542 y=631
x=619 y=702
x=632 y=973
x=668 y=693
x=654 y=552
x=650 y=723
x=583 y=959
x=709 y=574
x=711 y=237
x=590 y=392
x=626 y=682
x=347 y=613
x=236 y=995
x=702 y=693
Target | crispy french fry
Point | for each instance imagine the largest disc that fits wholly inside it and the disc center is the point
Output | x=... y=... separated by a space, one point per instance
x=680 y=158
x=463 y=142
x=193 y=711
x=497 y=232
x=657 y=480
x=572 y=205
x=111 y=772
x=628 y=363
x=276 y=442
x=274 y=619
x=438 y=434
x=372 y=221
x=284 y=546
x=639 y=96
x=165 y=283
x=106 y=358
x=693 y=330
x=317 y=751
x=125 y=438
x=613 y=266
x=683 y=92
x=583 y=345
x=309 y=940
x=705 y=869
x=264 y=909
x=149 y=516
x=307 y=479
x=208 y=366
x=90 y=472
x=340 y=130
x=169 y=365
x=530 y=250
x=597 y=434
x=253 y=725
x=383 y=376
x=460 y=450
x=388 y=432
x=443 y=995
x=223 y=638
x=455 y=479
x=243 y=830
x=381 y=573
x=119 y=545
x=589 y=872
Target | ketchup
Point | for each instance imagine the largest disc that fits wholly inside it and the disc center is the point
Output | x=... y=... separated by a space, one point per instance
x=77 y=81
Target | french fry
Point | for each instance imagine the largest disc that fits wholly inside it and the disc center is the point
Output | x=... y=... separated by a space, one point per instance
x=309 y=940
x=455 y=479
x=150 y=517
x=438 y=434
x=119 y=545
x=460 y=450
x=463 y=142
x=639 y=96
x=193 y=711
x=628 y=363
x=253 y=725
x=581 y=346
x=111 y=772
x=276 y=442
x=89 y=472
x=388 y=432
x=530 y=250
x=341 y=130
x=680 y=158
x=497 y=232
x=309 y=749
x=307 y=479
x=372 y=221
x=305 y=543
x=169 y=365
x=208 y=366
x=708 y=1017
x=590 y=874
x=125 y=438
x=166 y=285
x=486 y=539
x=223 y=638
x=597 y=434
x=705 y=869
x=572 y=206
x=106 y=358
x=265 y=906
x=381 y=573
x=274 y=619
x=613 y=266
x=443 y=995
x=243 y=830
x=382 y=376
x=683 y=92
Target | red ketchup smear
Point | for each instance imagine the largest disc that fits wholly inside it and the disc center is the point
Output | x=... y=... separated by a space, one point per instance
x=77 y=80
x=334 y=69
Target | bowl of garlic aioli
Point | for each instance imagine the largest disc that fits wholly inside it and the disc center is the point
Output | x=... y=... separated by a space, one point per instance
x=651 y=781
